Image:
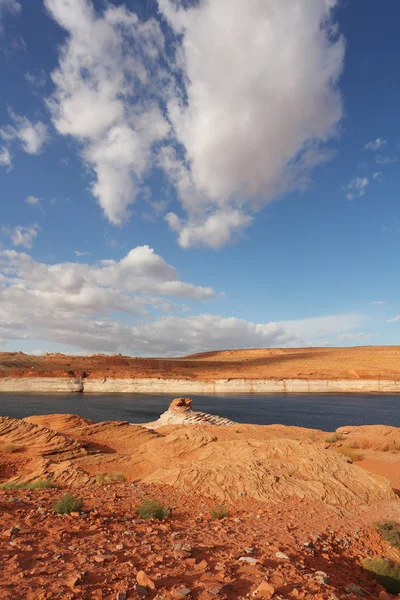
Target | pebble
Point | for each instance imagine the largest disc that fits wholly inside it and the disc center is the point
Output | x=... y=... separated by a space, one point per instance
x=144 y=580
x=248 y=559
x=282 y=555
x=182 y=592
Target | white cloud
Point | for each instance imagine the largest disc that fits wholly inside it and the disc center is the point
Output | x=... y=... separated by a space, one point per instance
x=394 y=320
x=378 y=302
x=318 y=327
x=5 y=157
x=375 y=144
x=385 y=160
x=104 y=65
x=80 y=254
x=22 y=236
x=33 y=201
x=377 y=176
x=253 y=135
x=356 y=188
x=354 y=337
x=75 y=304
x=32 y=136
x=228 y=144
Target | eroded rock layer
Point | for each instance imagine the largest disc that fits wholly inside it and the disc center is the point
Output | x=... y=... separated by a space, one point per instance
x=194 y=452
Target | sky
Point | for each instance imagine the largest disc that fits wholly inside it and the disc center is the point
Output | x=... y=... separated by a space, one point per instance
x=179 y=176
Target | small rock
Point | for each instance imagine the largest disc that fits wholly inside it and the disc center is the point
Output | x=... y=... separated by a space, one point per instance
x=182 y=592
x=248 y=559
x=352 y=588
x=265 y=590
x=282 y=555
x=321 y=577
x=141 y=590
x=120 y=596
x=144 y=580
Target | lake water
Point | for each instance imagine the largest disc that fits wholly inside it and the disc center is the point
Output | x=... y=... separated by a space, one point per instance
x=318 y=411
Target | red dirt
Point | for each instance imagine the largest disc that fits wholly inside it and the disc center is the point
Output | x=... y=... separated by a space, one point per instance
x=303 y=363
x=99 y=553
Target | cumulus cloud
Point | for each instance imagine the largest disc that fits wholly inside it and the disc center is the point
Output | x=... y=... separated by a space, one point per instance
x=22 y=236
x=377 y=176
x=32 y=136
x=228 y=144
x=250 y=136
x=106 y=96
x=356 y=188
x=5 y=157
x=76 y=304
x=375 y=144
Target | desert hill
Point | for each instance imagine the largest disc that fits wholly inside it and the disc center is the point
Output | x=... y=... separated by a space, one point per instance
x=367 y=362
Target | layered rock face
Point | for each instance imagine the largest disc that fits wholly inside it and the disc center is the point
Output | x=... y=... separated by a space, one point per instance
x=180 y=412
x=194 y=452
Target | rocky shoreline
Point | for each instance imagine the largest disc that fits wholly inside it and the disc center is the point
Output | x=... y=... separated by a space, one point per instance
x=188 y=386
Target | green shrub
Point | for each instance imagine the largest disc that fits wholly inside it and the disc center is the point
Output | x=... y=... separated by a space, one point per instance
x=104 y=478
x=390 y=531
x=350 y=453
x=385 y=571
x=151 y=509
x=67 y=504
x=39 y=484
x=336 y=437
x=219 y=512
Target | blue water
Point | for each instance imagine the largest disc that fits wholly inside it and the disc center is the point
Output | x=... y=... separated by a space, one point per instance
x=318 y=411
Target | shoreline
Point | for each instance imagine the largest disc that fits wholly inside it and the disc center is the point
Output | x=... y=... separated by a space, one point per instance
x=184 y=386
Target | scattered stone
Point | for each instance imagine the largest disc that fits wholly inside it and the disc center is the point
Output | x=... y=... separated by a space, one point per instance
x=321 y=577
x=248 y=559
x=265 y=590
x=144 y=580
x=282 y=555
x=141 y=590
x=182 y=592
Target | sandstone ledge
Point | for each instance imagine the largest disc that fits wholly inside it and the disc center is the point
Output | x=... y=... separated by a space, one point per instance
x=186 y=386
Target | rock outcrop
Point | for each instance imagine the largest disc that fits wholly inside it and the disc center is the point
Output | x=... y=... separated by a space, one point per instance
x=193 y=452
x=180 y=412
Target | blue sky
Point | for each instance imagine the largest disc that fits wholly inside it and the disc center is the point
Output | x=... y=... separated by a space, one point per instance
x=182 y=176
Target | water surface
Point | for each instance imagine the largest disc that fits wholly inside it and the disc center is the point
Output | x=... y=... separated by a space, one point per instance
x=318 y=411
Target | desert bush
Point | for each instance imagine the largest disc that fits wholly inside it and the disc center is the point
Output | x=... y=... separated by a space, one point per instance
x=336 y=437
x=390 y=531
x=39 y=484
x=9 y=448
x=385 y=571
x=104 y=478
x=151 y=509
x=67 y=504
x=350 y=453
x=219 y=512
